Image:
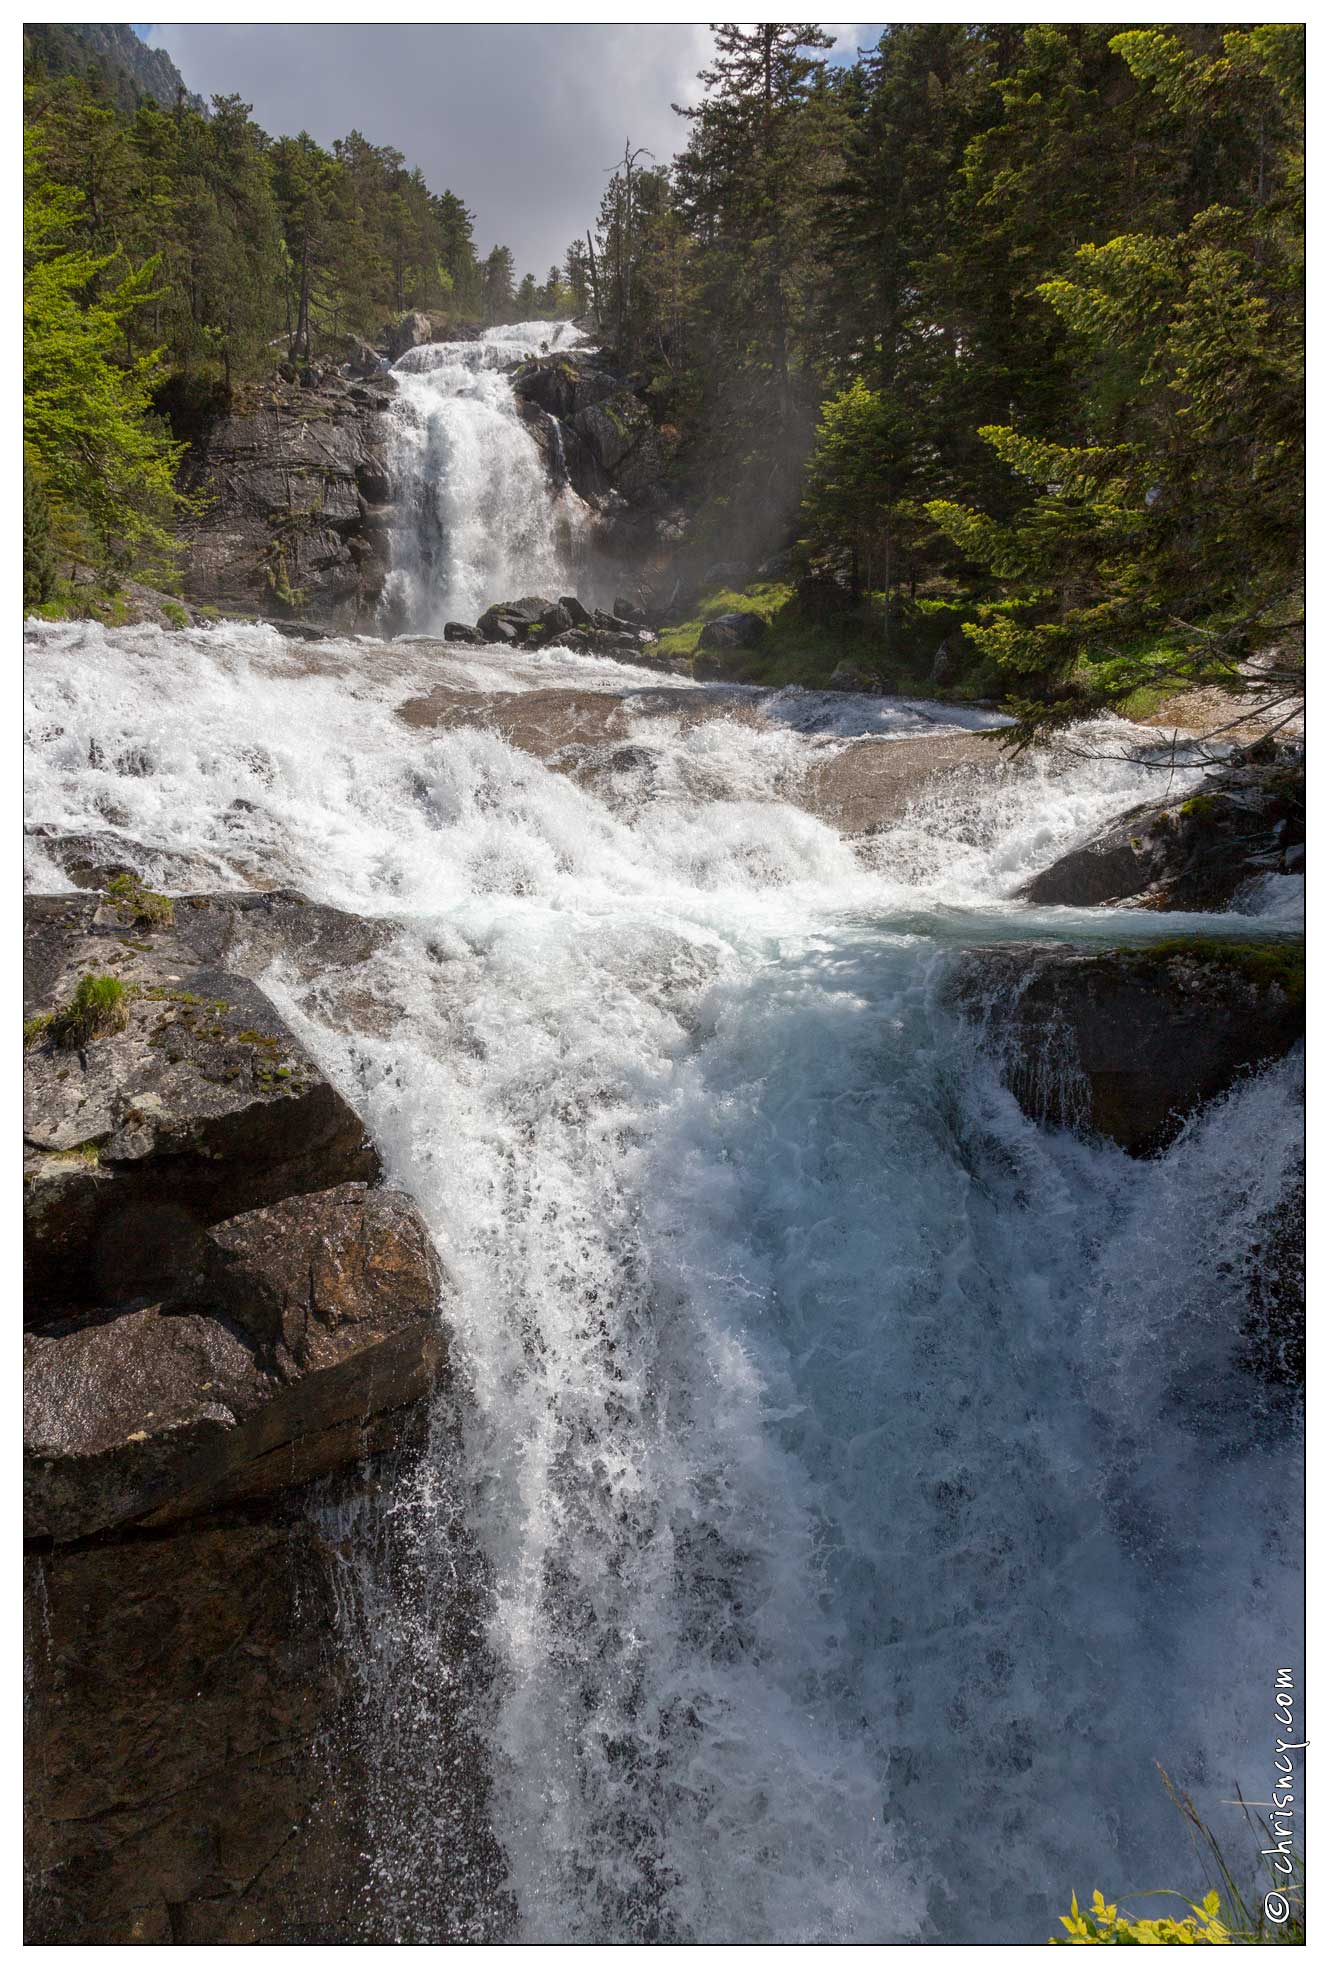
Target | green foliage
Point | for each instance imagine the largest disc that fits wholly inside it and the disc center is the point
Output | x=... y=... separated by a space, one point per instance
x=86 y=412
x=804 y=650
x=861 y=481
x=1105 y=1923
x=99 y=1007
x=1045 y=284
x=1182 y=506
x=35 y=1029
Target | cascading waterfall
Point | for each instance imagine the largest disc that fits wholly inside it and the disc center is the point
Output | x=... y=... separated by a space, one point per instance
x=861 y=1491
x=478 y=518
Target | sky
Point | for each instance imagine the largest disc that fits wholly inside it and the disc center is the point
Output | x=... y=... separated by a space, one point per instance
x=522 y=123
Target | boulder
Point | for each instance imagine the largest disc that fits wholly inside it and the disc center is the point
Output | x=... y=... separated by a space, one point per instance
x=1189 y=853
x=362 y=360
x=409 y=331
x=853 y=677
x=739 y=629
x=462 y=632
x=1128 y=1043
x=821 y=594
x=205 y=1104
x=508 y=622
x=555 y=622
x=576 y=612
x=295 y=1330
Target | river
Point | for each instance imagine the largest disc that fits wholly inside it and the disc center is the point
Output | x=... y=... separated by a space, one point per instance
x=853 y=1478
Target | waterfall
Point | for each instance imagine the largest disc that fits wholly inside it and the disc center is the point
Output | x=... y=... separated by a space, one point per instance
x=478 y=519
x=862 y=1491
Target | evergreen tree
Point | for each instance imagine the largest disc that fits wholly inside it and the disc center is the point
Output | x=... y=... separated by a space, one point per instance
x=576 y=272
x=87 y=423
x=497 y=293
x=1164 y=544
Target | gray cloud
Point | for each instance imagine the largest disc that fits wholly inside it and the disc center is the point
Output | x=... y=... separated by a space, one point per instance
x=520 y=122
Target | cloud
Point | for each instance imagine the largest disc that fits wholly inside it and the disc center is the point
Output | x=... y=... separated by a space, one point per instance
x=522 y=122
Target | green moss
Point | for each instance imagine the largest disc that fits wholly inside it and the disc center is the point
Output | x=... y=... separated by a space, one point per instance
x=136 y=904
x=177 y=617
x=99 y=1007
x=35 y=1029
x=1202 y=807
x=1274 y=964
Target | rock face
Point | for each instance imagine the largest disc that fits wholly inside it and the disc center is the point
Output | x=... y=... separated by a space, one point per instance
x=1127 y=1043
x=600 y=436
x=295 y=484
x=1194 y=853
x=179 y=1692
x=226 y=1310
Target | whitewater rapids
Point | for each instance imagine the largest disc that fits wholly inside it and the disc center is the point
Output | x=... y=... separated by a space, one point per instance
x=863 y=1494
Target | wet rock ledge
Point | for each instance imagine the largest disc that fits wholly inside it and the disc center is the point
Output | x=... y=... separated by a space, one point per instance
x=1128 y=1043
x=224 y=1303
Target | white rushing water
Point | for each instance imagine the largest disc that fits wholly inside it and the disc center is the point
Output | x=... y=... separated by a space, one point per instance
x=862 y=1493
x=478 y=519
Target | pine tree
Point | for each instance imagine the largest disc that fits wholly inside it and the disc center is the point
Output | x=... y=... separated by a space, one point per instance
x=498 y=292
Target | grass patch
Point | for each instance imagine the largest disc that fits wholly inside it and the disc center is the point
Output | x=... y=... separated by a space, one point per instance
x=99 y=1007
x=36 y=1029
x=86 y=601
x=135 y=904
